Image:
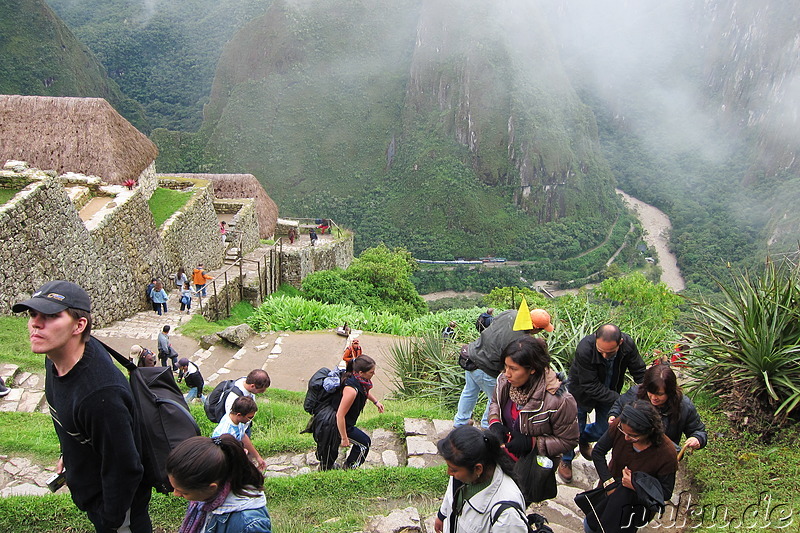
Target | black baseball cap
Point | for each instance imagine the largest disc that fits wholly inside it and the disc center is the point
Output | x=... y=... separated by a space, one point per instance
x=55 y=296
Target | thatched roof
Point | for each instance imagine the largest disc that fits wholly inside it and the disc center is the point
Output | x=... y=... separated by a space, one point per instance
x=242 y=186
x=84 y=135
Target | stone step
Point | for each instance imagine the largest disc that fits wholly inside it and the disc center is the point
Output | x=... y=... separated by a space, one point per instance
x=8 y=371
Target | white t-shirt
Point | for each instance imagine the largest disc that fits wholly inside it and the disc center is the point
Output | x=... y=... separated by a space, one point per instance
x=226 y=425
x=232 y=395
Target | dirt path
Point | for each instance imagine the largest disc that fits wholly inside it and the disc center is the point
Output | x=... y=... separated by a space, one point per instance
x=657 y=226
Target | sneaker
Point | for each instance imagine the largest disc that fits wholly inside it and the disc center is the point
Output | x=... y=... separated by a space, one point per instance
x=565 y=471
x=5 y=391
x=586 y=449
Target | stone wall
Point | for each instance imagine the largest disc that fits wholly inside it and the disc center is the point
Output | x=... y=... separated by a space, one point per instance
x=113 y=253
x=43 y=239
x=191 y=235
x=244 y=223
x=299 y=263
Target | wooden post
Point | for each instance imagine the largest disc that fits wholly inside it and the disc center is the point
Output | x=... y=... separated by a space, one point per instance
x=227 y=296
x=260 y=284
x=241 y=278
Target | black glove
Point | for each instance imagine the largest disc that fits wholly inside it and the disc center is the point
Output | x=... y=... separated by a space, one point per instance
x=499 y=429
x=519 y=444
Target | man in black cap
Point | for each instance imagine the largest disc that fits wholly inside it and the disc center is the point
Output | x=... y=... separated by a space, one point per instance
x=92 y=408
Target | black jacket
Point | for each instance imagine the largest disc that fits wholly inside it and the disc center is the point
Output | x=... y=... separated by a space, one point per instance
x=688 y=422
x=588 y=372
x=93 y=414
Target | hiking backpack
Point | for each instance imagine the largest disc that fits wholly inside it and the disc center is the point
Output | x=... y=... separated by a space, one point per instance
x=215 y=403
x=161 y=414
x=323 y=385
x=536 y=522
x=480 y=324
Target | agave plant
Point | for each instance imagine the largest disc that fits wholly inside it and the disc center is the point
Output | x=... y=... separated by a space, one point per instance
x=751 y=341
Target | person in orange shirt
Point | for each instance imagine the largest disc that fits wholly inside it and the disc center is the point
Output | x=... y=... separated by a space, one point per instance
x=200 y=279
x=352 y=352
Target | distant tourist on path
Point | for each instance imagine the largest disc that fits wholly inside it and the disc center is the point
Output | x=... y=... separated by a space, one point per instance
x=292 y=235
x=313 y=236
x=224 y=489
x=200 y=278
x=159 y=297
x=484 y=320
x=186 y=298
x=353 y=351
x=142 y=357
x=194 y=379
x=165 y=349
x=449 y=330
x=223 y=230
x=595 y=380
x=91 y=404
x=181 y=279
x=334 y=426
x=148 y=290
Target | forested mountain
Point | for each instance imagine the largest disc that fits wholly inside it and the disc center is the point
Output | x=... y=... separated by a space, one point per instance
x=467 y=128
x=162 y=53
x=40 y=56
x=448 y=127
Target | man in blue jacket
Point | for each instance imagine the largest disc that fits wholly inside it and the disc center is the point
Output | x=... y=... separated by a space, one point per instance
x=92 y=409
x=595 y=380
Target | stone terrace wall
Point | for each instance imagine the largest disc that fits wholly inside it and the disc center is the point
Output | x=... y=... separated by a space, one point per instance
x=191 y=235
x=299 y=263
x=43 y=239
x=244 y=221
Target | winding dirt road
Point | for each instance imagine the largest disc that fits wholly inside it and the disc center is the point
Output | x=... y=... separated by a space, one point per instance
x=657 y=226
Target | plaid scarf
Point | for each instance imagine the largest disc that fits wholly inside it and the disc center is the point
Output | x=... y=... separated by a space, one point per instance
x=365 y=383
x=196 y=514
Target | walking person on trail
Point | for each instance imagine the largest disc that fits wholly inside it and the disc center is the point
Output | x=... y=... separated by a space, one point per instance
x=334 y=426
x=200 y=279
x=165 y=349
x=159 y=297
x=312 y=234
x=353 y=351
x=482 y=359
x=181 y=279
x=595 y=380
x=92 y=408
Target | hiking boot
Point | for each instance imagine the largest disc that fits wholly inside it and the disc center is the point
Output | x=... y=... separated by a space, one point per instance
x=565 y=471
x=586 y=449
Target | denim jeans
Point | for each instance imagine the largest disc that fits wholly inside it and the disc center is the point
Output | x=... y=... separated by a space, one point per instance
x=590 y=432
x=193 y=393
x=475 y=382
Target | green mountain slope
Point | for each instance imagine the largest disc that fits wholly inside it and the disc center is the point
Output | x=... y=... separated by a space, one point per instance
x=161 y=53
x=40 y=56
x=444 y=126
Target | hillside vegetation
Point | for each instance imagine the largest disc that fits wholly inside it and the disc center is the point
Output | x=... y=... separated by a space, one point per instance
x=40 y=56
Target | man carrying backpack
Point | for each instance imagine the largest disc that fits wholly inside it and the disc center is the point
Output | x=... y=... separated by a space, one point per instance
x=92 y=408
x=484 y=320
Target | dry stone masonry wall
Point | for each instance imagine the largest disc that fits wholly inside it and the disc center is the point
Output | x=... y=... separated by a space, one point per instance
x=113 y=253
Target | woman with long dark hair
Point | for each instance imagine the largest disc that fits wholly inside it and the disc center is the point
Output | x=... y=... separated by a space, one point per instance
x=678 y=413
x=531 y=412
x=643 y=460
x=225 y=490
x=480 y=480
x=334 y=425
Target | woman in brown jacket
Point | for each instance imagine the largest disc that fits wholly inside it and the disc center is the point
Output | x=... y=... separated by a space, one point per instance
x=531 y=410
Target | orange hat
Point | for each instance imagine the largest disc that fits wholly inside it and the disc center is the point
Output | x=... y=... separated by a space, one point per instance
x=541 y=319
x=535 y=319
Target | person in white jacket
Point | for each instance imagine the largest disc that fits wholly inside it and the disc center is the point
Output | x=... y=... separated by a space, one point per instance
x=480 y=480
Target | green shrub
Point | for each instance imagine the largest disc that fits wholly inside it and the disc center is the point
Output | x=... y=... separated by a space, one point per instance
x=748 y=345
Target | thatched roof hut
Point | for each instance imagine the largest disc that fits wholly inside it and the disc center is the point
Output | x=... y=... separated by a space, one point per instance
x=84 y=135
x=243 y=186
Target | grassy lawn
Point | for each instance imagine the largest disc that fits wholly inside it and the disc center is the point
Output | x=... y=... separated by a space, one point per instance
x=7 y=194
x=165 y=202
x=743 y=484
x=15 y=347
x=198 y=326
